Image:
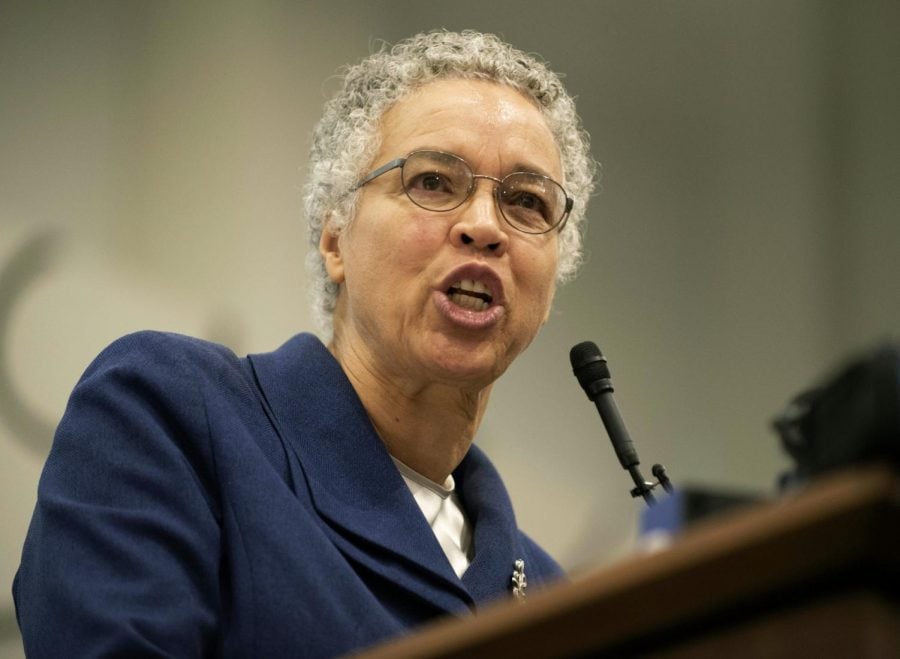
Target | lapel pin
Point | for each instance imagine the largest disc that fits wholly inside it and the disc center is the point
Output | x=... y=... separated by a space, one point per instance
x=518 y=580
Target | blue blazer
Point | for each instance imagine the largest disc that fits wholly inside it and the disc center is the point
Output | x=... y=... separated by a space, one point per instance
x=198 y=504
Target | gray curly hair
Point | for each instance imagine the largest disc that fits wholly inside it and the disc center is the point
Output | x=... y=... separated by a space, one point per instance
x=347 y=138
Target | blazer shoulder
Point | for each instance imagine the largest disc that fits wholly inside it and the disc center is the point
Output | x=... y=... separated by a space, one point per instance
x=172 y=361
x=151 y=347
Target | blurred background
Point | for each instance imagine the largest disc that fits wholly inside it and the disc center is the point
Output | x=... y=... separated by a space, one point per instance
x=744 y=241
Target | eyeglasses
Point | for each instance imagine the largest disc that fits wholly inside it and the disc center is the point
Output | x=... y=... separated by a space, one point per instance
x=437 y=181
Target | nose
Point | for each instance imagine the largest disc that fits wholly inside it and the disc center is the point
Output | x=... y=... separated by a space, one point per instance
x=479 y=224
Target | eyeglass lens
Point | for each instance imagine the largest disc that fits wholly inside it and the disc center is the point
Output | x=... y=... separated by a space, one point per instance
x=441 y=182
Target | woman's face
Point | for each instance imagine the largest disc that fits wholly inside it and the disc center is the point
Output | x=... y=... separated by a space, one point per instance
x=403 y=306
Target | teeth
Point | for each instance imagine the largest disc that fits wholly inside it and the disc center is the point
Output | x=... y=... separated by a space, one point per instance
x=473 y=286
x=468 y=302
x=470 y=294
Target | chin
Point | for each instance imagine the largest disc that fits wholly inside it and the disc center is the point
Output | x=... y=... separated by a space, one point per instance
x=477 y=365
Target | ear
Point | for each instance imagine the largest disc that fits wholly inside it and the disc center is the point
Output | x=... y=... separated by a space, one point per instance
x=330 y=249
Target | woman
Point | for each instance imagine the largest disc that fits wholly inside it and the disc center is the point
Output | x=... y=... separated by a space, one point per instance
x=316 y=500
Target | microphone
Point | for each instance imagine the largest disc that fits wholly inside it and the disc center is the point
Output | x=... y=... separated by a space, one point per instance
x=590 y=367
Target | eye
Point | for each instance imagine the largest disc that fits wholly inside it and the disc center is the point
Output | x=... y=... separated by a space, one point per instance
x=528 y=201
x=436 y=180
x=532 y=202
x=433 y=189
x=431 y=182
x=527 y=207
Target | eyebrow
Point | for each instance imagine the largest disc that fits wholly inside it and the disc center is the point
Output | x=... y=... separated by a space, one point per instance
x=518 y=166
x=531 y=169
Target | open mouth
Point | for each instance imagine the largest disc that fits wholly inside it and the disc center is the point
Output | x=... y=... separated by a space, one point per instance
x=470 y=294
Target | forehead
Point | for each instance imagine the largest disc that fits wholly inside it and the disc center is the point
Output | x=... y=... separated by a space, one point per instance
x=493 y=126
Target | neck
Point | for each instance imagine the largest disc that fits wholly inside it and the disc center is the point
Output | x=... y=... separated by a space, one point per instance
x=427 y=426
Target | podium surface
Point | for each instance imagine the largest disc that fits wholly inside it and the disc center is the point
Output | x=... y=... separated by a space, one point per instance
x=815 y=573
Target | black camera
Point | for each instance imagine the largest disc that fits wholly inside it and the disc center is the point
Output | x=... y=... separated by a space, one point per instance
x=852 y=417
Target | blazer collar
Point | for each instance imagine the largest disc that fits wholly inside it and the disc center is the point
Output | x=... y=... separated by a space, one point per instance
x=353 y=483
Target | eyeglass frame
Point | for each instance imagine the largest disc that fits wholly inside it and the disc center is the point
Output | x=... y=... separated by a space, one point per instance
x=400 y=162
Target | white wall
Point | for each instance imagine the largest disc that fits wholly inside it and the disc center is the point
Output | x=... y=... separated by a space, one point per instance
x=744 y=240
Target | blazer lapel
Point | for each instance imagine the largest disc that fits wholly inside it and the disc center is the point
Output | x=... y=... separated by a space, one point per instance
x=353 y=484
x=496 y=536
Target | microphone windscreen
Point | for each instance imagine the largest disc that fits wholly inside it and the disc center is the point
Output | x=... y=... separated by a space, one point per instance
x=589 y=365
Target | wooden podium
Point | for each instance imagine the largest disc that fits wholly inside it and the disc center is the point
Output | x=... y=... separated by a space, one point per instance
x=814 y=574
